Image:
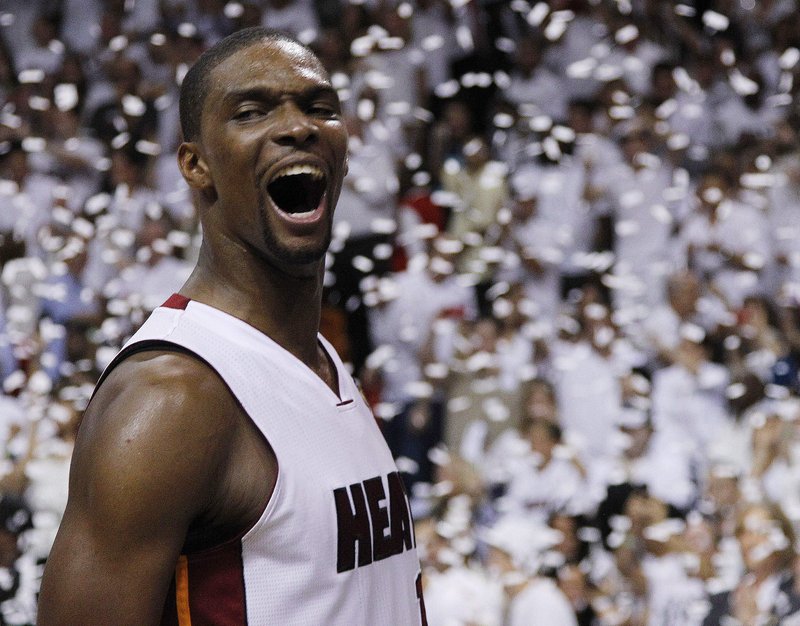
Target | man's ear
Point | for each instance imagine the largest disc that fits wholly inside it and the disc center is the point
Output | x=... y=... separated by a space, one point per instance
x=193 y=167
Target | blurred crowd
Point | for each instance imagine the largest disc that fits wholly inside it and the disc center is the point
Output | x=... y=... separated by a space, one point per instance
x=565 y=269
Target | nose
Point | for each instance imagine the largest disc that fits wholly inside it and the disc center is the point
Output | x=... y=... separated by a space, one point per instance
x=295 y=128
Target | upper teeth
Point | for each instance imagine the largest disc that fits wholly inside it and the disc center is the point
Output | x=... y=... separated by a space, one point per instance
x=294 y=170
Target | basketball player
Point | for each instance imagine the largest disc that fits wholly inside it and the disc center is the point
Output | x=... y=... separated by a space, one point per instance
x=227 y=470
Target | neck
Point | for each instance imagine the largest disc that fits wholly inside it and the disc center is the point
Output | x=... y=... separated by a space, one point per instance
x=284 y=307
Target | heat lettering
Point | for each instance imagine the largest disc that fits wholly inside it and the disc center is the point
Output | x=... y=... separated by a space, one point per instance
x=379 y=525
x=354 y=528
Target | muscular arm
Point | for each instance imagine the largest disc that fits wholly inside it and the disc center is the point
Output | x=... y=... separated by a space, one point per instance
x=147 y=463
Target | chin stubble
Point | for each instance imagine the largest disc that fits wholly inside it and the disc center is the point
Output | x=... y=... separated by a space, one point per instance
x=280 y=251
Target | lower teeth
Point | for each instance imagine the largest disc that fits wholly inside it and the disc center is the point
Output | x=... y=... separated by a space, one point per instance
x=303 y=214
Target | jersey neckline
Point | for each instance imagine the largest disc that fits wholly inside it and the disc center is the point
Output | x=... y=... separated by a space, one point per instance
x=343 y=400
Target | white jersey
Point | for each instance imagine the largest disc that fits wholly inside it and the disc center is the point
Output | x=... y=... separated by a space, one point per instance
x=335 y=544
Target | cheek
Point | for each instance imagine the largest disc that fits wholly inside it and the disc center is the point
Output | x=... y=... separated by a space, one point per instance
x=336 y=136
x=235 y=153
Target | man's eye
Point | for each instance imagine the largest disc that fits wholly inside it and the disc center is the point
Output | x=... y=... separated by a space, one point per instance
x=246 y=114
x=323 y=110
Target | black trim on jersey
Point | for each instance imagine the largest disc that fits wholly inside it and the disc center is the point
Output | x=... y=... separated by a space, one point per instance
x=146 y=345
x=150 y=345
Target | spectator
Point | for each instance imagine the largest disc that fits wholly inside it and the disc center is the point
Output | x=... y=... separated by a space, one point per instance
x=766 y=538
x=689 y=402
x=533 y=600
x=422 y=314
x=597 y=223
x=725 y=240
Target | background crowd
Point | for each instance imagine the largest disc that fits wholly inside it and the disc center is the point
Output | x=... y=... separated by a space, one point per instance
x=565 y=269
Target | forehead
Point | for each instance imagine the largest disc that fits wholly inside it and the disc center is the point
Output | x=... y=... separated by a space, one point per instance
x=272 y=64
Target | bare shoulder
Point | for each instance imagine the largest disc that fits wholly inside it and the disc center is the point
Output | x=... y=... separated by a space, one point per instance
x=160 y=421
x=148 y=464
x=164 y=391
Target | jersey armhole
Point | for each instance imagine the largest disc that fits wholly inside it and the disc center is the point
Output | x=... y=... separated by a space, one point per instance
x=163 y=345
x=146 y=345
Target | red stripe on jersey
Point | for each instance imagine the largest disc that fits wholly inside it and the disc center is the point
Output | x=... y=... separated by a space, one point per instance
x=176 y=301
x=213 y=583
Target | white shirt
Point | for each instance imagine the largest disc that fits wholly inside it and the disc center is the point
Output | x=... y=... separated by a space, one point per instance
x=402 y=325
x=735 y=118
x=369 y=189
x=539 y=490
x=541 y=603
x=27 y=209
x=634 y=66
x=691 y=408
x=588 y=394
x=671 y=591
x=296 y=17
x=8 y=363
x=694 y=118
x=665 y=468
x=150 y=285
x=542 y=88
x=580 y=37
x=643 y=217
x=739 y=229
x=661 y=328
x=80 y=25
x=393 y=73
x=533 y=239
x=560 y=203
x=784 y=221
x=143 y=17
x=462 y=596
x=433 y=35
x=39 y=58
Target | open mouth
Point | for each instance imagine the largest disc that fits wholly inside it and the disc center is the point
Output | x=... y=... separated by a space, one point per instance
x=298 y=189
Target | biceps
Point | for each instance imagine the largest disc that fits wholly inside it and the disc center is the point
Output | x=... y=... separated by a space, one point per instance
x=101 y=575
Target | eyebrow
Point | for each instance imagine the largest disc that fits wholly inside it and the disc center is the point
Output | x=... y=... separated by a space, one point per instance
x=265 y=94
